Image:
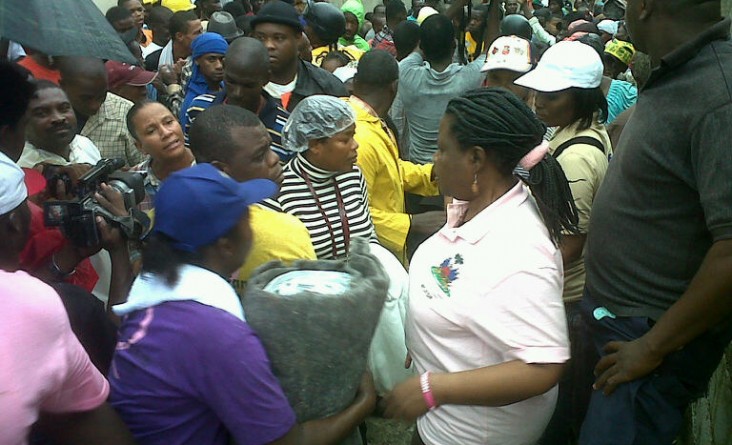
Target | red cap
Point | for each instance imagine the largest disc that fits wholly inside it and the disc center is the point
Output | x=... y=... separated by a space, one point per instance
x=119 y=74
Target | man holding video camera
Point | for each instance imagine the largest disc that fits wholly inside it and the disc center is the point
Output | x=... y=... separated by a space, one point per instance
x=64 y=158
x=54 y=149
x=50 y=378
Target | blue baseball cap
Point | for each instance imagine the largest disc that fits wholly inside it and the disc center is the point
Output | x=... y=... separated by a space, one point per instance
x=198 y=205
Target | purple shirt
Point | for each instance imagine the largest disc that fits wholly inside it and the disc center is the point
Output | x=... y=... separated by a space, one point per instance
x=186 y=373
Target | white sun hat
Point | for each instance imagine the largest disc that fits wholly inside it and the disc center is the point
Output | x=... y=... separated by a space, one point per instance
x=565 y=65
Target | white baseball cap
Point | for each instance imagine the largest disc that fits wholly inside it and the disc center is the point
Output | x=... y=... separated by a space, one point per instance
x=608 y=26
x=565 y=65
x=12 y=185
x=510 y=53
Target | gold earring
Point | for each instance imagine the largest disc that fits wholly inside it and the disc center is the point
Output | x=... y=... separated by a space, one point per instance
x=475 y=187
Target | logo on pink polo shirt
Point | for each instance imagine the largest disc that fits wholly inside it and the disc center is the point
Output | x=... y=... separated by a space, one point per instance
x=447 y=272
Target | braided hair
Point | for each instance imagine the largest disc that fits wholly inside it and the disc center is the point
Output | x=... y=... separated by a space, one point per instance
x=502 y=124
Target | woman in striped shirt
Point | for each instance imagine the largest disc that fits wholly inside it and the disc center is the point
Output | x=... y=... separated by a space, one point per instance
x=322 y=185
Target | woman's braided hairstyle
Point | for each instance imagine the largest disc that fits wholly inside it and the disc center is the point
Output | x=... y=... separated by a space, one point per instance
x=502 y=124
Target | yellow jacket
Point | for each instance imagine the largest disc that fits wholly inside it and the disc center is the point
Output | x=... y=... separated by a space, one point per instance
x=387 y=178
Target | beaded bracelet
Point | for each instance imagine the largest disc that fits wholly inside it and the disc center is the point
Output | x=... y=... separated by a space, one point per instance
x=429 y=398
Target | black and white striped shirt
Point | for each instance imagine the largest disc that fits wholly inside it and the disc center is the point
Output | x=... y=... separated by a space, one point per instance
x=296 y=199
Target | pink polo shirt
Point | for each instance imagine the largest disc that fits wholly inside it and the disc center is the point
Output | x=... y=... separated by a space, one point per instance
x=42 y=365
x=485 y=293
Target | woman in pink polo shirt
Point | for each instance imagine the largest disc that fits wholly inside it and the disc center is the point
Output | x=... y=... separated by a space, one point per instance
x=486 y=326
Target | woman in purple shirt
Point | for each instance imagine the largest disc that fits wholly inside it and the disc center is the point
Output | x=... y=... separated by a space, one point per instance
x=188 y=369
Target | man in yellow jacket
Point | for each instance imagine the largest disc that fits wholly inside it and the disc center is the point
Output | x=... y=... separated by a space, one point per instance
x=387 y=176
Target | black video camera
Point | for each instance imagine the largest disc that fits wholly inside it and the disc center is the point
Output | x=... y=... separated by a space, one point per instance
x=77 y=217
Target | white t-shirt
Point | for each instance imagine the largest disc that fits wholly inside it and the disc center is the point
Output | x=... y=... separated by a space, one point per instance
x=482 y=294
x=277 y=91
x=82 y=151
x=149 y=49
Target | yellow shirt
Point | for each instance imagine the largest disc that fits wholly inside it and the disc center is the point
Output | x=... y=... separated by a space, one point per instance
x=277 y=236
x=321 y=52
x=585 y=167
x=387 y=178
x=470 y=45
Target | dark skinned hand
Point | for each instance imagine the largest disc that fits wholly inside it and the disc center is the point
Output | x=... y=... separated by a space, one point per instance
x=110 y=236
x=167 y=75
x=624 y=362
x=178 y=67
x=75 y=171
x=405 y=401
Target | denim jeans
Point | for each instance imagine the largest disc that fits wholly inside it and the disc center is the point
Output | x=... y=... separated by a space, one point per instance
x=649 y=410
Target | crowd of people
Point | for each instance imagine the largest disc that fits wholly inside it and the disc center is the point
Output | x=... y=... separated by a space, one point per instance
x=546 y=181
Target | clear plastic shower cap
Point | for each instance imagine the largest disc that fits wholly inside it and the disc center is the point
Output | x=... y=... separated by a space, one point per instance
x=316 y=117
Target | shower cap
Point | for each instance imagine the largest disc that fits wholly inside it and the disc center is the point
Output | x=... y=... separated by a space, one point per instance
x=316 y=117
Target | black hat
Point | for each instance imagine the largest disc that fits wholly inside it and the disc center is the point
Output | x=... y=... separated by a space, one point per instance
x=279 y=12
x=516 y=25
x=326 y=20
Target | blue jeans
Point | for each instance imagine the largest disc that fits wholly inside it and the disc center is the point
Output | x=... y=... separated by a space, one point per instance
x=649 y=410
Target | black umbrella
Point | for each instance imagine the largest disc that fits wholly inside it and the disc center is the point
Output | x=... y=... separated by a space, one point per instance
x=62 y=28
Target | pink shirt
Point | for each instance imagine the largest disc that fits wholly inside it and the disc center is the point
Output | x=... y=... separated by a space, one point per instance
x=42 y=365
x=485 y=293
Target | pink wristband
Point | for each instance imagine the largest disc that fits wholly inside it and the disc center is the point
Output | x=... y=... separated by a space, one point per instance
x=429 y=398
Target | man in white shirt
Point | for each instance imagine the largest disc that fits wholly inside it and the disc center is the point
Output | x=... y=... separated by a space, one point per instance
x=51 y=131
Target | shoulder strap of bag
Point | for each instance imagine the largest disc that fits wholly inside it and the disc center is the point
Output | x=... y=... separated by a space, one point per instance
x=585 y=140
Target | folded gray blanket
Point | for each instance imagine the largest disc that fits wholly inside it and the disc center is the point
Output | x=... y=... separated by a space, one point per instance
x=318 y=339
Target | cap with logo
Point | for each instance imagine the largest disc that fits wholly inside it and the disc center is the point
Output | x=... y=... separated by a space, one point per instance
x=510 y=53
x=623 y=51
x=198 y=205
x=565 y=65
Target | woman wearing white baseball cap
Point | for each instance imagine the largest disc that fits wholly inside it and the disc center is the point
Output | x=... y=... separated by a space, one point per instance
x=568 y=96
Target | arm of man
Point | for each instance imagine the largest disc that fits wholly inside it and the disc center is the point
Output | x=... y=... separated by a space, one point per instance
x=527 y=8
x=114 y=242
x=706 y=301
x=453 y=11
x=99 y=425
x=493 y=27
